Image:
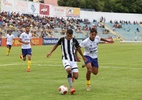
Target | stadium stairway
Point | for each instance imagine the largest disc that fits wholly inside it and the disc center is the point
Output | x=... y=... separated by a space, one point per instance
x=111 y=31
x=141 y=25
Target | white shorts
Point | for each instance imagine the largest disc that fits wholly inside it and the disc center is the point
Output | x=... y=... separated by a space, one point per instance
x=70 y=64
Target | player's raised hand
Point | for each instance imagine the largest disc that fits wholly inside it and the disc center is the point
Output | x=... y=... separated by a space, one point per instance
x=110 y=41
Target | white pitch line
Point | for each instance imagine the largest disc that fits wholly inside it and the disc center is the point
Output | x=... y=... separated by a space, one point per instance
x=9 y=64
x=37 y=64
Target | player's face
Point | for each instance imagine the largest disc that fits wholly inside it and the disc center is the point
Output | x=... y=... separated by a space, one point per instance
x=93 y=35
x=27 y=29
x=69 y=36
x=10 y=32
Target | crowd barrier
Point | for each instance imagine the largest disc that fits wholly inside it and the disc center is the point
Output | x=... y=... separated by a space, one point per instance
x=37 y=41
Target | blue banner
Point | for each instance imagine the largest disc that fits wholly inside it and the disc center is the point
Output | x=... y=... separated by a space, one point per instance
x=49 y=41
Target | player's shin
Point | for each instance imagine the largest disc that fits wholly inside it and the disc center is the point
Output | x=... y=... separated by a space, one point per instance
x=29 y=65
x=7 y=51
x=69 y=77
x=88 y=83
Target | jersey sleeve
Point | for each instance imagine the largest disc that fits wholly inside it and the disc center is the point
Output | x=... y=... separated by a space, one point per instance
x=6 y=36
x=59 y=41
x=21 y=36
x=13 y=36
x=76 y=43
x=98 y=39
x=82 y=44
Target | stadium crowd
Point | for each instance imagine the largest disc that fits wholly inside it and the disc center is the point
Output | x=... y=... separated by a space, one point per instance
x=41 y=26
x=44 y=26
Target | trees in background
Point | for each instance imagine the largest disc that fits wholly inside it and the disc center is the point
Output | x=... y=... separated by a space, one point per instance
x=123 y=6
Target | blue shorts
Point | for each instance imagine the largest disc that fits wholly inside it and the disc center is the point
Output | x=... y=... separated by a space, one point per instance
x=8 y=46
x=26 y=52
x=94 y=61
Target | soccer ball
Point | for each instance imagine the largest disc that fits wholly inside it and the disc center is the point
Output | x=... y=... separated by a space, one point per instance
x=63 y=89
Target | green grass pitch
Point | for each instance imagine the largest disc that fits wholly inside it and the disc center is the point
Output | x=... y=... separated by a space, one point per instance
x=119 y=77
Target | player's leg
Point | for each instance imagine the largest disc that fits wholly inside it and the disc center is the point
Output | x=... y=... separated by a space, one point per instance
x=8 y=49
x=69 y=72
x=67 y=67
x=23 y=55
x=29 y=53
x=88 y=75
x=95 y=66
x=89 y=71
x=95 y=70
x=74 y=68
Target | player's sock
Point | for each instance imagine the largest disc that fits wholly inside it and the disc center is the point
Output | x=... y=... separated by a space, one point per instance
x=7 y=51
x=88 y=82
x=88 y=85
x=70 y=79
x=29 y=65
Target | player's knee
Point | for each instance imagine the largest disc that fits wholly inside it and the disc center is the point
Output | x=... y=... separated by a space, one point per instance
x=69 y=71
x=69 y=74
x=89 y=70
x=24 y=59
x=95 y=73
x=75 y=77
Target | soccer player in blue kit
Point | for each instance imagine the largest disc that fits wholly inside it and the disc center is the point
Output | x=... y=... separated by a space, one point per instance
x=25 y=39
x=9 y=41
x=90 y=45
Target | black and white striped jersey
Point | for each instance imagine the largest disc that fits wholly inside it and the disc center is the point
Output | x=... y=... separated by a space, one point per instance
x=68 y=48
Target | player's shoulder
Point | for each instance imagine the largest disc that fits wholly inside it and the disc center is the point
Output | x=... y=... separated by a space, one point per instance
x=62 y=38
x=23 y=33
x=86 y=40
x=97 y=37
x=74 y=39
x=30 y=33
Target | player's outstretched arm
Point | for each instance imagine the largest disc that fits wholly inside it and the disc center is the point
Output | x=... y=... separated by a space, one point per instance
x=77 y=57
x=80 y=52
x=52 y=50
x=109 y=41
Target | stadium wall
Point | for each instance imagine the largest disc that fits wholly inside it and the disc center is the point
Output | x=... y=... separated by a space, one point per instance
x=37 y=41
x=42 y=41
x=56 y=11
x=110 y=16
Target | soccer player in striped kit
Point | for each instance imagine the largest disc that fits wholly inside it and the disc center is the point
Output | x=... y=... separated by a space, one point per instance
x=68 y=46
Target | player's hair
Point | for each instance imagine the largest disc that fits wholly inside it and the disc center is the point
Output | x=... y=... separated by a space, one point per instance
x=70 y=31
x=26 y=26
x=9 y=31
x=93 y=30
